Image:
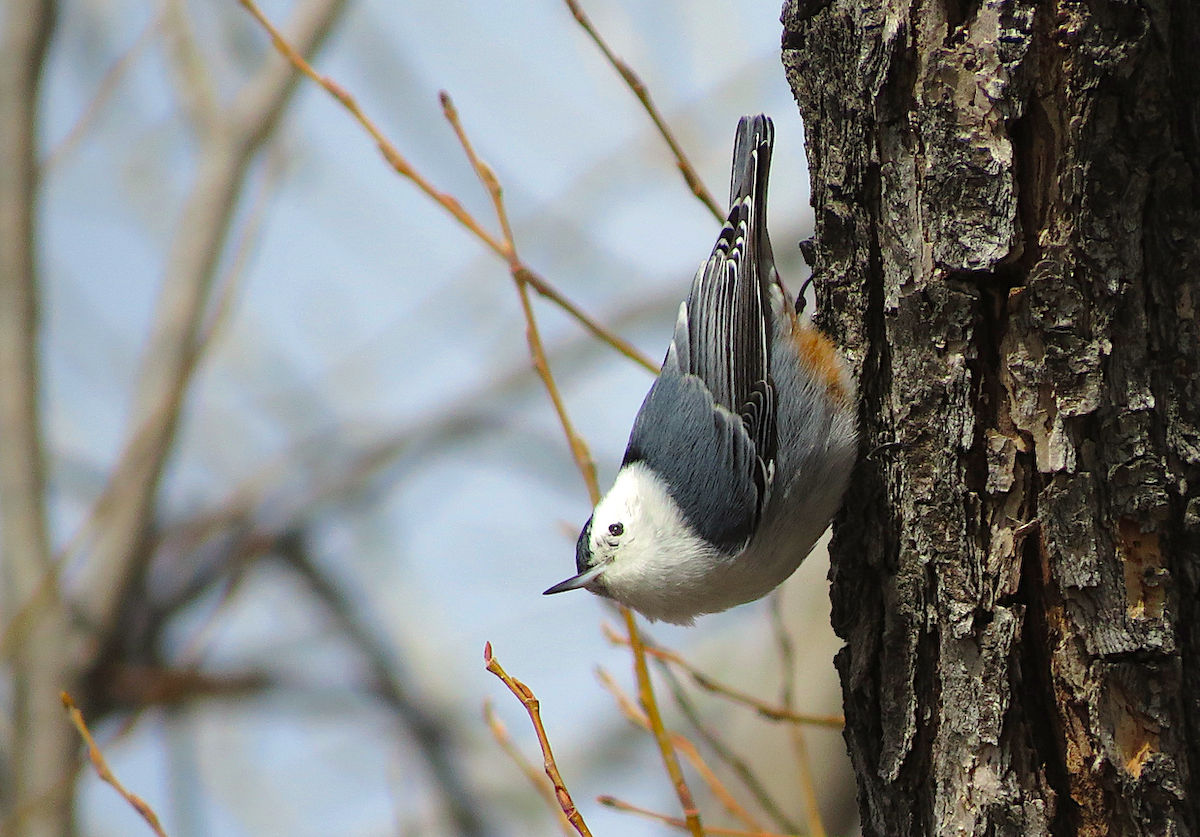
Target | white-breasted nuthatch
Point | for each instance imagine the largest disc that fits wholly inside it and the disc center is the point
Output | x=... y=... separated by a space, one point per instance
x=741 y=452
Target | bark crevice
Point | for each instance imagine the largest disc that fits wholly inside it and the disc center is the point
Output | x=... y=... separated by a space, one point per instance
x=1007 y=218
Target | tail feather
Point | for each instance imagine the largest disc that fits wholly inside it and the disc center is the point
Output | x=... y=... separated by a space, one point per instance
x=752 y=148
x=728 y=324
x=750 y=170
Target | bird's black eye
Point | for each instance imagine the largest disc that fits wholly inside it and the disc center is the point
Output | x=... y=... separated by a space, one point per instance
x=616 y=529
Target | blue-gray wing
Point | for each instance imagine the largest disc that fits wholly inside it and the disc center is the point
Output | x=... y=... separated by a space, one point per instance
x=729 y=323
x=729 y=327
x=703 y=454
x=708 y=424
x=729 y=320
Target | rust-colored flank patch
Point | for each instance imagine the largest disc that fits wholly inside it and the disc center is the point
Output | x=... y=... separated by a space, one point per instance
x=819 y=354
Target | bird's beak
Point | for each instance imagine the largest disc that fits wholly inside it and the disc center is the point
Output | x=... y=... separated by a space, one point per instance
x=576 y=581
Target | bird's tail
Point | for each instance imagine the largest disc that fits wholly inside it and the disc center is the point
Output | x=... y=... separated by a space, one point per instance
x=751 y=169
x=752 y=159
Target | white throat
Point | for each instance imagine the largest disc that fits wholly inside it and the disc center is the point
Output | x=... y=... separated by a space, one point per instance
x=657 y=565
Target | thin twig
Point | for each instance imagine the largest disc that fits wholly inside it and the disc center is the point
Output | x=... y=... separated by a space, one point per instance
x=189 y=71
x=808 y=787
x=650 y=705
x=579 y=449
x=103 y=771
x=724 y=752
x=530 y=702
x=683 y=745
x=706 y=682
x=787 y=662
x=228 y=285
x=713 y=831
x=104 y=91
x=541 y=783
x=520 y=275
x=487 y=177
x=643 y=95
x=448 y=202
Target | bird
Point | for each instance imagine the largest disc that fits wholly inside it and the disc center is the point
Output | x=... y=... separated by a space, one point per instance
x=743 y=447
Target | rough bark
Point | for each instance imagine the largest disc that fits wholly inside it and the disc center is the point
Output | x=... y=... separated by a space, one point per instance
x=1008 y=246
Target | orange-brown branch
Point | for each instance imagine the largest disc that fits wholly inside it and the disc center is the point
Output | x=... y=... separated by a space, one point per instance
x=103 y=771
x=709 y=684
x=530 y=702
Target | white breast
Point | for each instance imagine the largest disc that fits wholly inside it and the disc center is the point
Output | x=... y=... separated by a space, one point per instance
x=660 y=568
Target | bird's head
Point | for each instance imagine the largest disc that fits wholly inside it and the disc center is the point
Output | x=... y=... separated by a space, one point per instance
x=637 y=547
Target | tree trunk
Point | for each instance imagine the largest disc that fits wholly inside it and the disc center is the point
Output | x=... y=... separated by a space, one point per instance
x=38 y=747
x=1008 y=246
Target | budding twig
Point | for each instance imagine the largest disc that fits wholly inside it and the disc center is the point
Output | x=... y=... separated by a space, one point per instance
x=646 y=698
x=643 y=95
x=405 y=169
x=521 y=276
x=712 y=831
x=683 y=745
x=787 y=665
x=537 y=778
x=530 y=702
x=103 y=771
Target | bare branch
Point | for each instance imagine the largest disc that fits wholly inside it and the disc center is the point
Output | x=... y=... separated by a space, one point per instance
x=683 y=745
x=695 y=184
x=103 y=771
x=787 y=664
x=724 y=752
x=650 y=705
x=530 y=702
x=401 y=166
x=125 y=510
x=540 y=781
x=675 y=822
x=520 y=275
x=709 y=684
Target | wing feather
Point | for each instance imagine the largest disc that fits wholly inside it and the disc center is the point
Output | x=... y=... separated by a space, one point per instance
x=708 y=424
x=728 y=309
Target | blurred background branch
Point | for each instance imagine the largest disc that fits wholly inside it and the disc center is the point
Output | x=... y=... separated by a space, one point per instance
x=297 y=466
x=425 y=727
x=33 y=780
x=638 y=88
x=227 y=148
